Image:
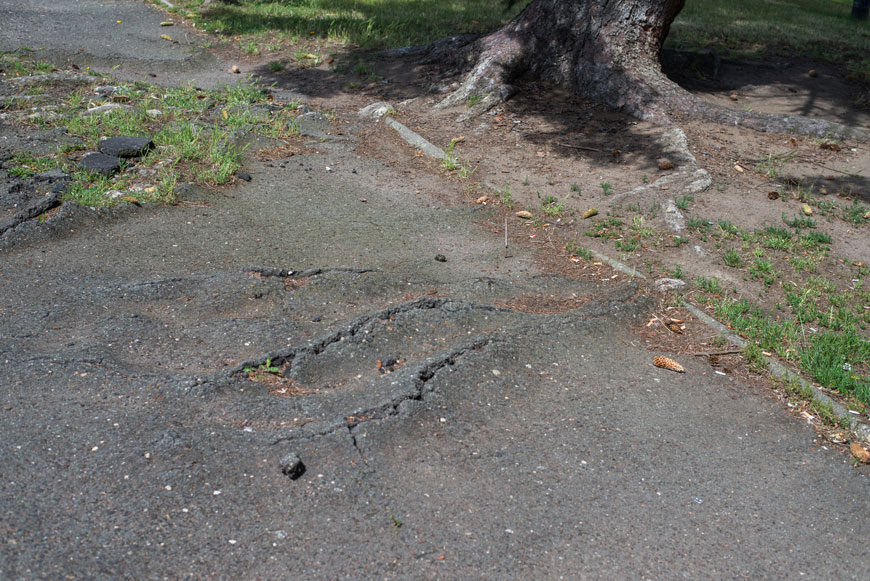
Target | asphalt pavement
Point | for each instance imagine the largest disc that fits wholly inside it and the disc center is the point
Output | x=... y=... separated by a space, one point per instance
x=427 y=427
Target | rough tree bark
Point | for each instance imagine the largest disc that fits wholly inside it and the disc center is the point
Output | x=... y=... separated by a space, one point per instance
x=605 y=50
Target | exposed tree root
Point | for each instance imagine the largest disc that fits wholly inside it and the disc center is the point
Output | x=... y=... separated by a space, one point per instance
x=621 y=71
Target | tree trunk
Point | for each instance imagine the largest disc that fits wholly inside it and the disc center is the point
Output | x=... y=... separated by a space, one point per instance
x=605 y=50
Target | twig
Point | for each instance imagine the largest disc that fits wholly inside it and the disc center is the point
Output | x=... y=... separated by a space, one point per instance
x=708 y=353
x=584 y=148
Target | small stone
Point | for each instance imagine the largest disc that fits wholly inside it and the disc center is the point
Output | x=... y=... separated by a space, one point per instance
x=376 y=110
x=292 y=466
x=125 y=146
x=105 y=91
x=665 y=164
x=440 y=258
x=524 y=214
x=313 y=125
x=243 y=175
x=235 y=69
x=51 y=175
x=154 y=113
x=589 y=213
x=669 y=284
x=105 y=108
x=100 y=163
x=114 y=194
x=733 y=96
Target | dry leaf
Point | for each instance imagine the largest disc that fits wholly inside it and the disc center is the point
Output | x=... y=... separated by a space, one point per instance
x=668 y=363
x=482 y=200
x=525 y=214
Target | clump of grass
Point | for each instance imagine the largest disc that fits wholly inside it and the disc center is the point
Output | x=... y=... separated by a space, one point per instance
x=608 y=228
x=799 y=222
x=710 y=285
x=683 y=202
x=728 y=228
x=505 y=197
x=627 y=245
x=575 y=249
x=763 y=270
x=552 y=207
x=699 y=225
x=732 y=258
x=607 y=188
x=855 y=213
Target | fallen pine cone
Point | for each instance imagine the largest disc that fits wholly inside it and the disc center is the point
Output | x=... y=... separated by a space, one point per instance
x=668 y=363
x=861 y=453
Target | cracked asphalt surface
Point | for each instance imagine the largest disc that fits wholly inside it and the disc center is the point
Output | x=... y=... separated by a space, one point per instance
x=502 y=444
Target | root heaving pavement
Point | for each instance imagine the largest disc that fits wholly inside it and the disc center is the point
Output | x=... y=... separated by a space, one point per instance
x=443 y=434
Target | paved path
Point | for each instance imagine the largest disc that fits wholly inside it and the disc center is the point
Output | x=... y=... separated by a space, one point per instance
x=503 y=444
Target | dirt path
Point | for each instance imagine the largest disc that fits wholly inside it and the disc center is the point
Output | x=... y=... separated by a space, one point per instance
x=460 y=410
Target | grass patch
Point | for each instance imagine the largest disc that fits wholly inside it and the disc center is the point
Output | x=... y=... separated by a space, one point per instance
x=609 y=228
x=834 y=360
x=710 y=285
x=365 y=23
x=753 y=28
x=683 y=202
x=732 y=258
x=575 y=249
x=194 y=134
x=552 y=207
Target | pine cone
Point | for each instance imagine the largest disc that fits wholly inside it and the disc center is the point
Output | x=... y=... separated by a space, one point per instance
x=667 y=363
